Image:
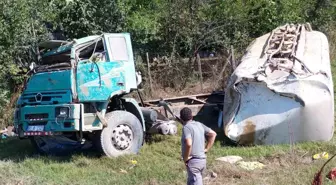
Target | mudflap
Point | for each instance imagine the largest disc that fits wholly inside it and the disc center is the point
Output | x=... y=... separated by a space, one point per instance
x=58 y=145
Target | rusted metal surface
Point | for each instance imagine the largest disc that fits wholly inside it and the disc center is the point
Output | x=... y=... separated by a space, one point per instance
x=205 y=107
x=282 y=91
x=247 y=137
x=176 y=109
x=190 y=99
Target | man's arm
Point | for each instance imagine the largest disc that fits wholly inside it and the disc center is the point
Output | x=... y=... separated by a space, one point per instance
x=211 y=136
x=188 y=143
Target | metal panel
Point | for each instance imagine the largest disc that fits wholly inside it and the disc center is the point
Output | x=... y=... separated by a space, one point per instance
x=96 y=82
x=114 y=43
x=56 y=80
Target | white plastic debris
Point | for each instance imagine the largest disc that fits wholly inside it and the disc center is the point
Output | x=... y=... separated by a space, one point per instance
x=230 y=159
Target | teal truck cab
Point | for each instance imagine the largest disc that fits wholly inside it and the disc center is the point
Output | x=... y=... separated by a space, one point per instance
x=75 y=94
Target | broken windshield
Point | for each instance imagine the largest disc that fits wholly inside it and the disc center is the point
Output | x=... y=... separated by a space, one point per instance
x=92 y=51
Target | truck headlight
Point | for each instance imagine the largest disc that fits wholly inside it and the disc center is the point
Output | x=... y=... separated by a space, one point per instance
x=62 y=112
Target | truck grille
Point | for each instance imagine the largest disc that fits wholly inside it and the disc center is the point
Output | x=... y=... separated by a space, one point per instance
x=38 y=123
x=46 y=98
x=36 y=117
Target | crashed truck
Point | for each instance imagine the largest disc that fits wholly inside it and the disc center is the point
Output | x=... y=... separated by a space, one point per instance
x=77 y=95
x=76 y=98
x=282 y=90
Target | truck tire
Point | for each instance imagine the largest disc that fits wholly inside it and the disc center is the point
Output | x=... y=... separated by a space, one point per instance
x=123 y=134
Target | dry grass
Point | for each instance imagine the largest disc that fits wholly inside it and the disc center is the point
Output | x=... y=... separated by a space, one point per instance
x=279 y=169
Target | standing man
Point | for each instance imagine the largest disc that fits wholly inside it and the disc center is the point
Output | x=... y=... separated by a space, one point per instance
x=193 y=149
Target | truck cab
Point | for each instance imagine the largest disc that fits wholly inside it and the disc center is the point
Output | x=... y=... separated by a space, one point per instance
x=76 y=93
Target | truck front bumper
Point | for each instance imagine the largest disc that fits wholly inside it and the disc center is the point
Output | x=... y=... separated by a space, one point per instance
x=46 y=119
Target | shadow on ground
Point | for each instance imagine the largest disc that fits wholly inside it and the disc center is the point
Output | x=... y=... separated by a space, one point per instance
x=152 y=139
x=17 y=150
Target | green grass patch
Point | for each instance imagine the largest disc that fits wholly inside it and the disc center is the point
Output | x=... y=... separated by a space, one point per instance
x=157 y=163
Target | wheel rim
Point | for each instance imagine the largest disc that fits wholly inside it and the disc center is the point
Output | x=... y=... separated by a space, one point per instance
x=122 y=137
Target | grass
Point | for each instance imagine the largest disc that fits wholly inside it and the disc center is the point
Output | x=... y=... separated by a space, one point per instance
x=159 y=163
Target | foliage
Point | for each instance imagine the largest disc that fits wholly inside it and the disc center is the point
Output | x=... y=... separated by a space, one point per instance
x=142 y=20
x=79 y=18
x=22 y=27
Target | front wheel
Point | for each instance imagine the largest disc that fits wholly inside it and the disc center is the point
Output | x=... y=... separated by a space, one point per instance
x=123 y=134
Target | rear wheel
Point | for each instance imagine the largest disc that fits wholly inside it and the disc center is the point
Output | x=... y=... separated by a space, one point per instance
x=123 y=134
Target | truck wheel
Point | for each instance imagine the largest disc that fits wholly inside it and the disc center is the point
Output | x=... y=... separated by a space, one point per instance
x=123 y=134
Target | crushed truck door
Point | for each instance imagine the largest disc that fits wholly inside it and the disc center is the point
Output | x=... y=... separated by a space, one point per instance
x=106 y=69
x=119 y=48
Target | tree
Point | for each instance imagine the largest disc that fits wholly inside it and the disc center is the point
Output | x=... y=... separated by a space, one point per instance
x=22 y=27
x=80 y=18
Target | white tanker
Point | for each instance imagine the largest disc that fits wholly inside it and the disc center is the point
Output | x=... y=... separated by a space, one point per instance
x=282 y=90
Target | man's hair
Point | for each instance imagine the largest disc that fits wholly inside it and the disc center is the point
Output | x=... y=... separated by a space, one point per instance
x=186 y=114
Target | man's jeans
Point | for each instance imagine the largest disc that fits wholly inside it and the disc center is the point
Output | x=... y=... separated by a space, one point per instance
x=195 y=168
